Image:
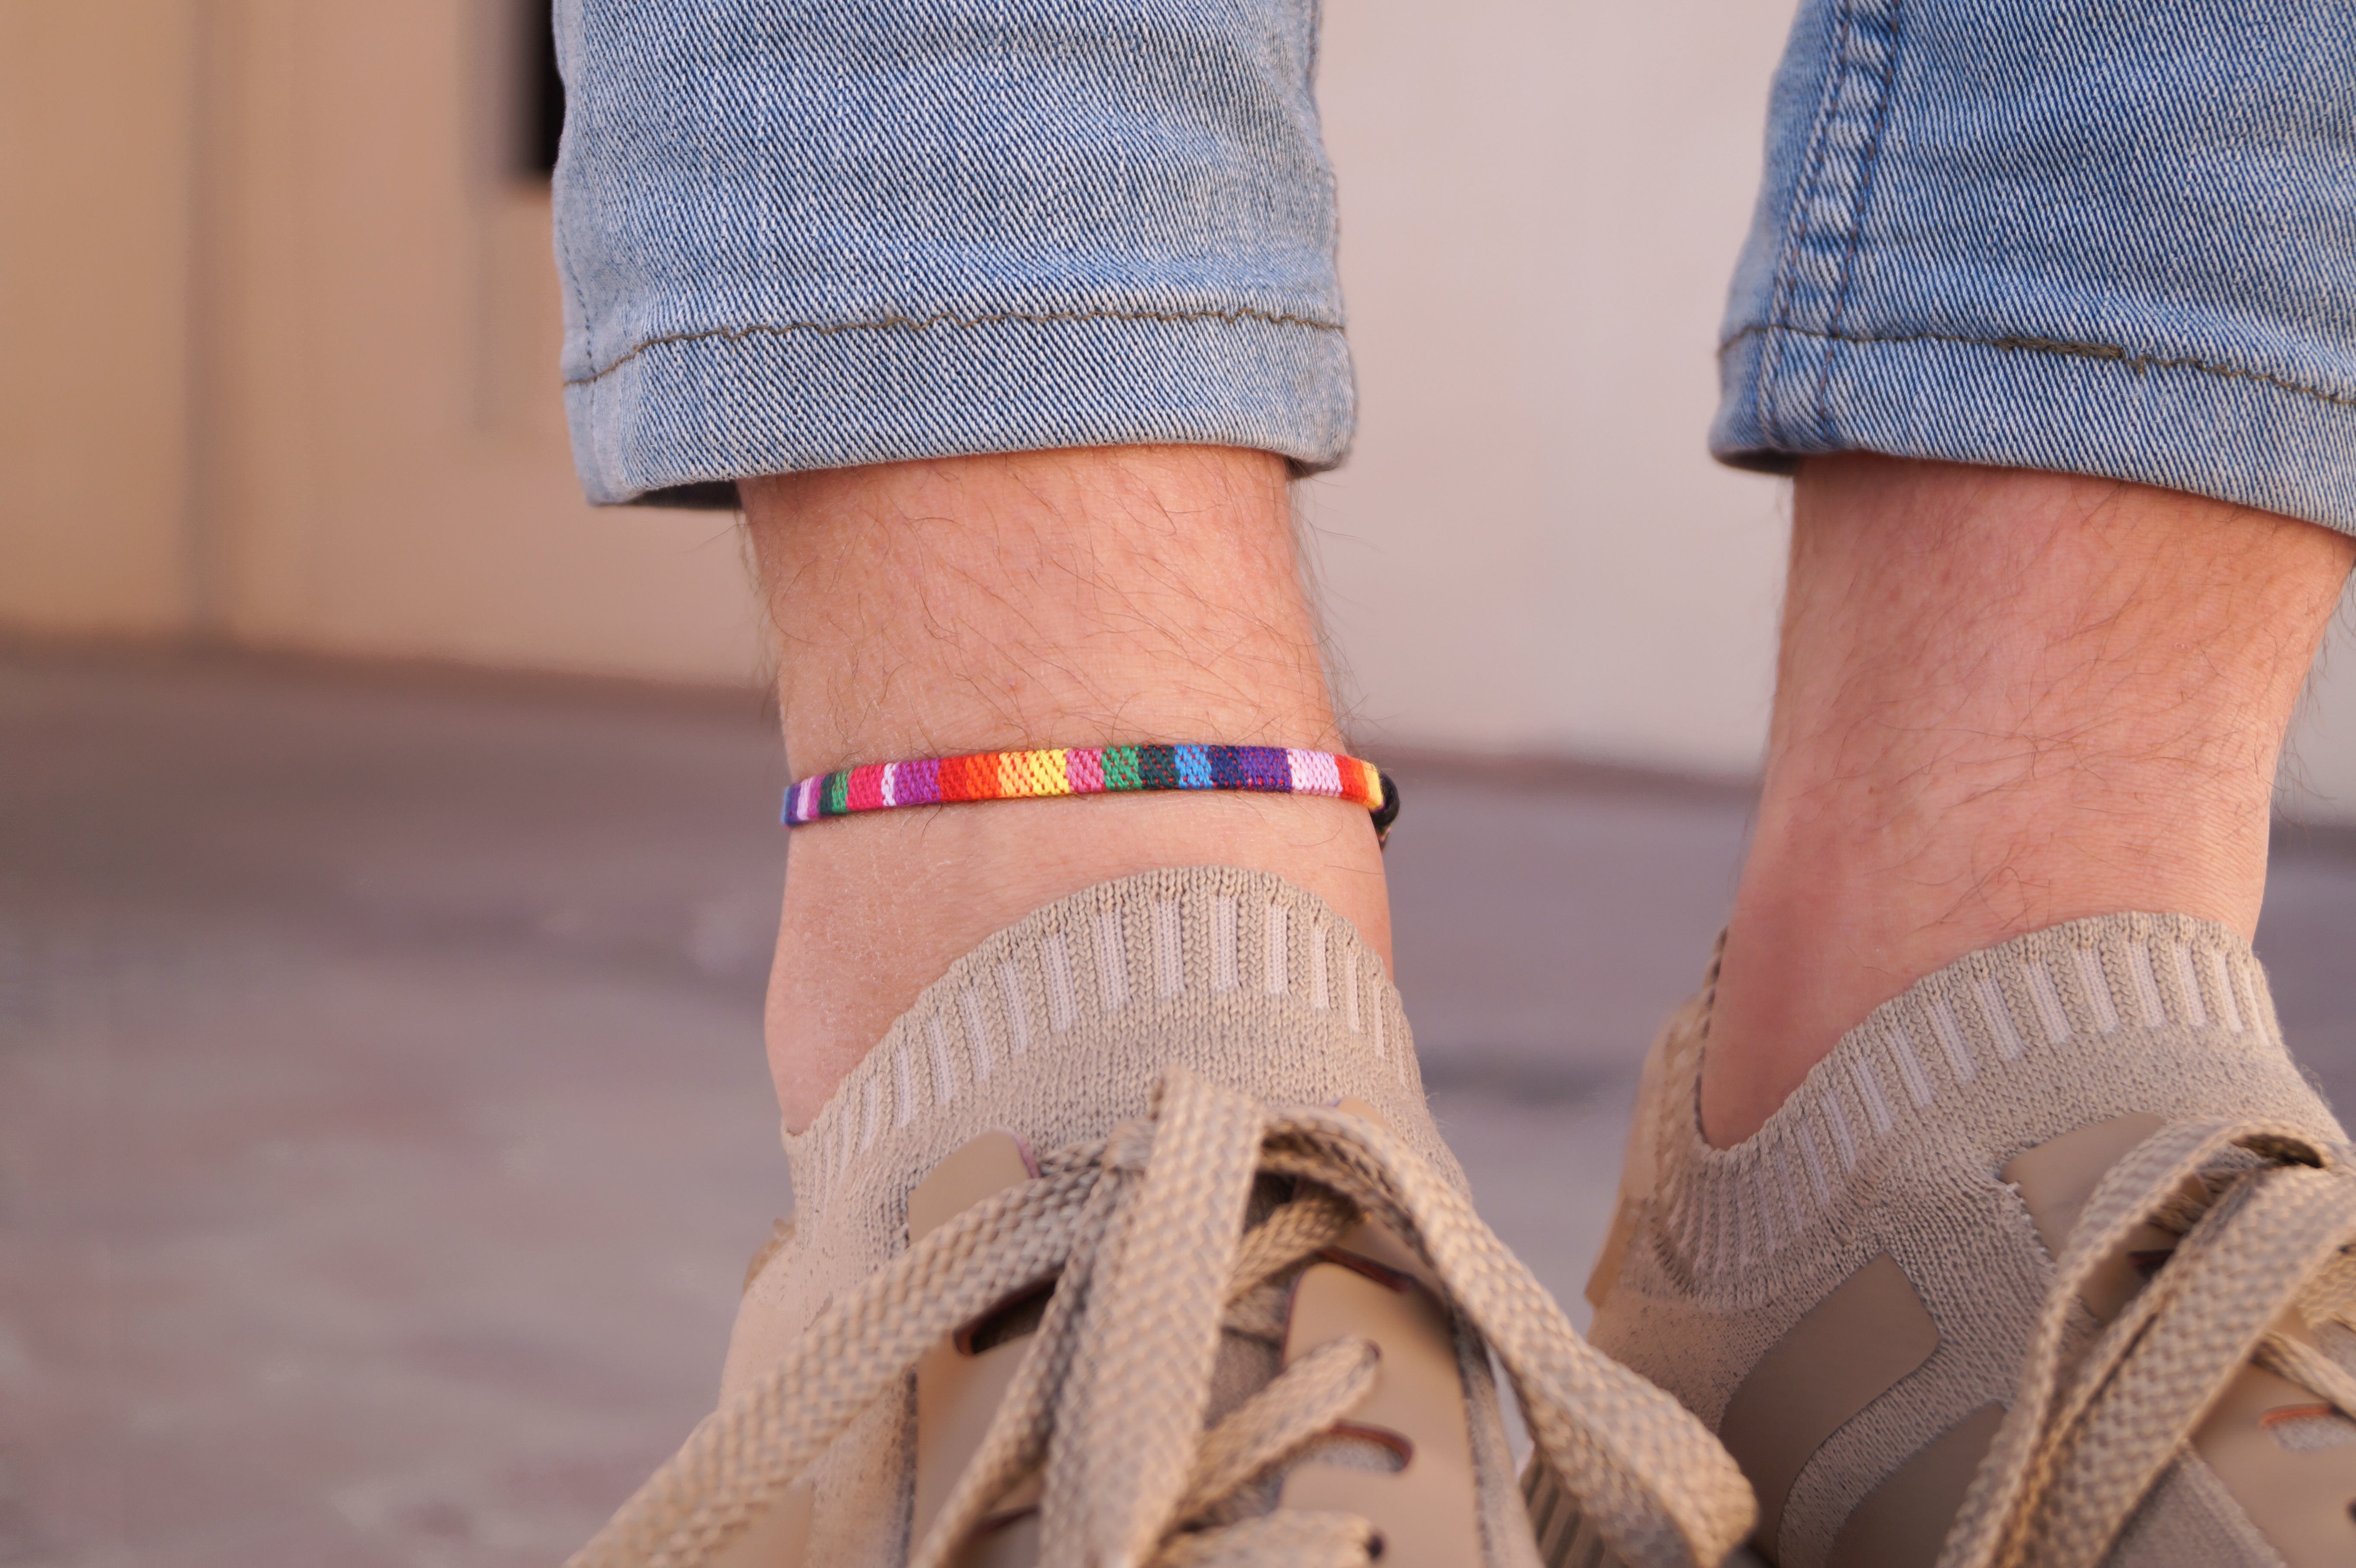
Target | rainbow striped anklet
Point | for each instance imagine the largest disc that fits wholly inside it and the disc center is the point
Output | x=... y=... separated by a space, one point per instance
x=1093 y=770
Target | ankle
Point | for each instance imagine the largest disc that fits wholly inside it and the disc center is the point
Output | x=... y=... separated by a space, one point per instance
x=2005 y=701
x=1069 y=598
x=878 y=906
x=1809 y=951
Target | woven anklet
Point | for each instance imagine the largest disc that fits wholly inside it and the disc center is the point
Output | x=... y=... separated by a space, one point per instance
x=1093 y=770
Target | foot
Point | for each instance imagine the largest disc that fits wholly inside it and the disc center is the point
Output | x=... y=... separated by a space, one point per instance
x=2042 y=1263
x=1132 y=1242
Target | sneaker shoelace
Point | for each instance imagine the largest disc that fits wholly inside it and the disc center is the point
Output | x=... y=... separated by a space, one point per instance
x=1144 y=1235
x=2268 y=1218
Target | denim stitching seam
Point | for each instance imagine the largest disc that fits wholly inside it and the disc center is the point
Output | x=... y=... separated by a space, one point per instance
x=1804 y=192
x=564 y=267
x=572 y=278
x=921 y=324
x=1869 y=165
x=2112 y=353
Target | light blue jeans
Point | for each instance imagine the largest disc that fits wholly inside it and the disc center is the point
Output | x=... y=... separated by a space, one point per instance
x=2091 y=236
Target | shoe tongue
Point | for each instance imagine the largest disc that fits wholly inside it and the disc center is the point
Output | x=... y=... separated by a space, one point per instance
x=2056 y=1177
x=1059 y=1027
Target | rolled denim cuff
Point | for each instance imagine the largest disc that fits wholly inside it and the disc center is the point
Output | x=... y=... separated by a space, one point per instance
x=804 y=234
x=2067 y=239
x=670 y=422
x=2091 y=408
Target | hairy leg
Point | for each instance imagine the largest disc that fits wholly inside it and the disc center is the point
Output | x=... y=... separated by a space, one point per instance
x=2004 y=700
x=1077 y=598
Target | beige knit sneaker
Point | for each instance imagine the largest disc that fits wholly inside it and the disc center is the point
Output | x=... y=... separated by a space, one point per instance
x=2044 y=1264
x=1188 y=1279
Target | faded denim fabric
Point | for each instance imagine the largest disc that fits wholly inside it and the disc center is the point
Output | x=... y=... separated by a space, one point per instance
x=2109 y=236
x=800 y=234
x=2102 y=237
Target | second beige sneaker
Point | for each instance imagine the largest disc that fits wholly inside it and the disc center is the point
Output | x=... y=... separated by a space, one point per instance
x=2047 y=1262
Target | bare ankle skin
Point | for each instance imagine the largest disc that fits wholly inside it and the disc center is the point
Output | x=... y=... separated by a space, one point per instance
x=1087 y=597
x=2005 y=700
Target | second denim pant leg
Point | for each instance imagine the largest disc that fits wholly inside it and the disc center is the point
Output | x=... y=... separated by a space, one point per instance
x=2113 y=239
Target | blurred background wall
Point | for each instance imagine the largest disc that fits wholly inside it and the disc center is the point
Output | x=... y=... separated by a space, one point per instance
x=281 y=329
